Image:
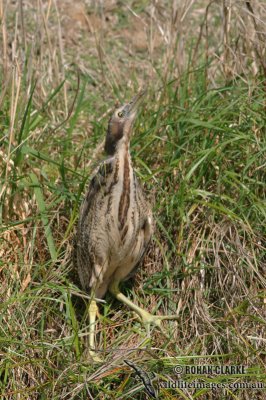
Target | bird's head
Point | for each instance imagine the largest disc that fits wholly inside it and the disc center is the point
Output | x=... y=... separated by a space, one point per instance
x=121 y=124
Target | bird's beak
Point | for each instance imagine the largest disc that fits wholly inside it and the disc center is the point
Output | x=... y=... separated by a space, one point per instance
x=132 y=107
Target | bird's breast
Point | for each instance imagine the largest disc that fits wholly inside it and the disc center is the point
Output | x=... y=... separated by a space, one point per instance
x=119 y=203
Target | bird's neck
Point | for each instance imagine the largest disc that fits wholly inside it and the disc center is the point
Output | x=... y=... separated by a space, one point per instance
x=125 y=182
x=122 y=150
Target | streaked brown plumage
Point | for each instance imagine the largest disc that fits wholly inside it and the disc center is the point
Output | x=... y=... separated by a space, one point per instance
x=115 y=224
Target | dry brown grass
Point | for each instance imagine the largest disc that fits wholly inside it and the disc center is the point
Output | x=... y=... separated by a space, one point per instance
x=208 y=266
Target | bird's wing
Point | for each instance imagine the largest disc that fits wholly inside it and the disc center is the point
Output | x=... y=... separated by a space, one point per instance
x=80 y=253
x=148 y=229
x=97 y=182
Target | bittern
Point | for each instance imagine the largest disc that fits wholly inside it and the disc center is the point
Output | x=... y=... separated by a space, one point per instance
x=115 y=223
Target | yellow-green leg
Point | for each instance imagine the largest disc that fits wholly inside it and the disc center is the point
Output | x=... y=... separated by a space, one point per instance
x=92 y=311
x=147 y=318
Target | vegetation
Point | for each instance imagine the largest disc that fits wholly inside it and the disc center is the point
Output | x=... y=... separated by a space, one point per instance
x=199 y=149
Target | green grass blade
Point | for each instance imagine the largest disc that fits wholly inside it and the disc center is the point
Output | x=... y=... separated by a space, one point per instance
x=42 y=208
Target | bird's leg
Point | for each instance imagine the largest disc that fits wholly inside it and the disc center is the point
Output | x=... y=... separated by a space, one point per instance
x=92 y=311
x=147 y=318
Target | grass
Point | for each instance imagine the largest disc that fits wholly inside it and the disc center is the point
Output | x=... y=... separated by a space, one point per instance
x=199 y=150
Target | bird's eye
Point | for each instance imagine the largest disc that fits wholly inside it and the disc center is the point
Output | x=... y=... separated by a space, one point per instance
x=120 y=114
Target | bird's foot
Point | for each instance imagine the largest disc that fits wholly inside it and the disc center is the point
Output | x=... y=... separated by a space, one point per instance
x=149 y=319
x=92 y=356
x=146 y=318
